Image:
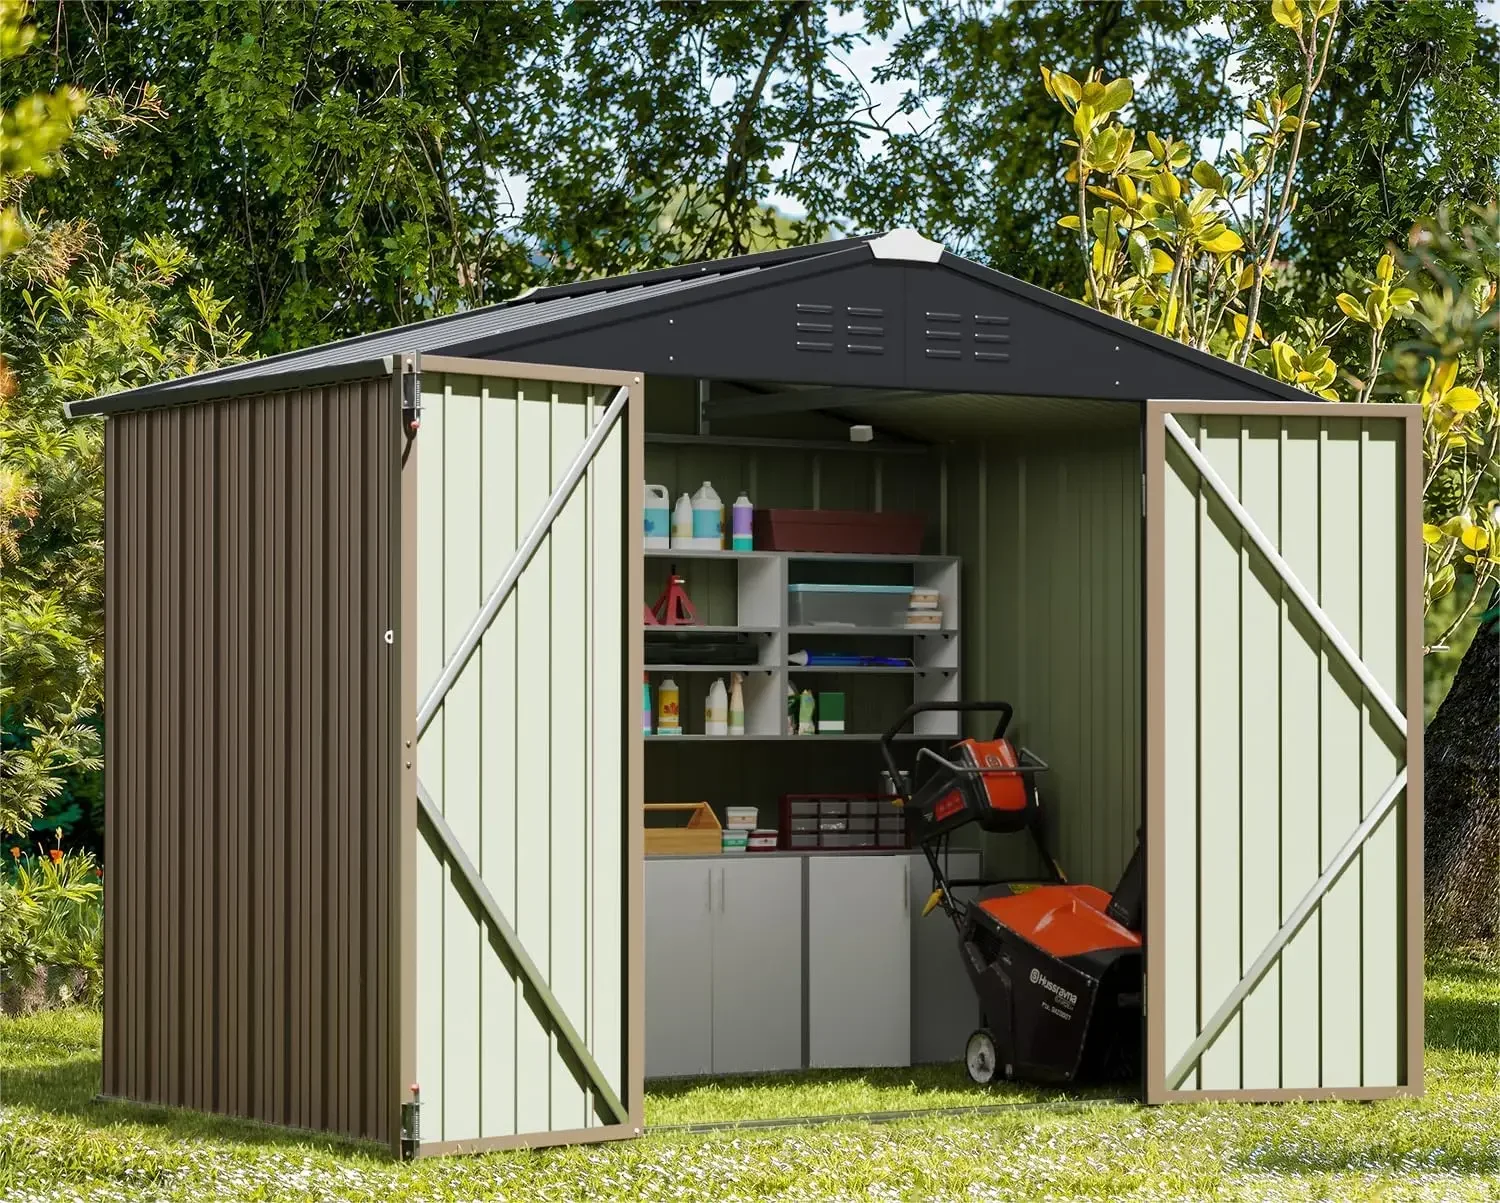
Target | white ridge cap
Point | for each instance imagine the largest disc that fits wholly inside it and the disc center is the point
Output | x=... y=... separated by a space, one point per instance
x=906 y=244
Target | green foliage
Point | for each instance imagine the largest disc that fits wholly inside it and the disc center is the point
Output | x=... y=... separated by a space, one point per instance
x=1180 y=251
x=77 y=323
x=52 y=913
x=32 y=129
x=341 y=167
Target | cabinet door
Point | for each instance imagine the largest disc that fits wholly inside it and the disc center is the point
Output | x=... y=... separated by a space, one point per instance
x=757 y=960
x=859 y=960
x=679 y=967
x=944 y=1007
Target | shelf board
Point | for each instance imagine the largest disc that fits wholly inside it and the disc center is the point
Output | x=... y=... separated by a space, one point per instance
x=690 y=553
x=868 y=668
x=831 y=737
x=705 y=629
x=883 y=631
x=845 y=557
x=721 y=670
x=860 y=557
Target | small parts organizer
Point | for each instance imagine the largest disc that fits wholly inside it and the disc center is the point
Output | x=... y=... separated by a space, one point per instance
x=842 y=822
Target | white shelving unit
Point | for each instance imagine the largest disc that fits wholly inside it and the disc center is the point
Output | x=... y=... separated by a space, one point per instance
x=761 y=591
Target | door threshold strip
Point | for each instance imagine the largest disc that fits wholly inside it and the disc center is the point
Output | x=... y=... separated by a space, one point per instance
x=887 y=1117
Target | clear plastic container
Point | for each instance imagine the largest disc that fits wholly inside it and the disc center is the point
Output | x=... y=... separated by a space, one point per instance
x=847 y=605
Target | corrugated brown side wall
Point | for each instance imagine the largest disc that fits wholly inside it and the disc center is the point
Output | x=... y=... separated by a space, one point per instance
x=252 y=572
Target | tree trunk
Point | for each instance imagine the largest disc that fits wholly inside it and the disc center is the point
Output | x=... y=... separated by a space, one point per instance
x=1462 y=788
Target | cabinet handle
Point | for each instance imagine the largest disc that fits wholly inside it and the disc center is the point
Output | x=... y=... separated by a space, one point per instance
x=708 y=880
x=721 y=891
x=906 y=888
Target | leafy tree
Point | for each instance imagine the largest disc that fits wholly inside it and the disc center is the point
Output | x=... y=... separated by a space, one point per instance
x=1409 y=106
x=976 y=171
x=339 y=167
x=79 y=322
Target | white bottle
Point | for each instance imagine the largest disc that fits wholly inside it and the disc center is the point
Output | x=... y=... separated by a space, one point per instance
x=741 y=524
x=682 y=522
x=708 y=519
x=716 y=709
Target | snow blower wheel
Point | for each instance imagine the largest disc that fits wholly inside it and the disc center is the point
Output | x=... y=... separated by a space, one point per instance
x=980 y=1058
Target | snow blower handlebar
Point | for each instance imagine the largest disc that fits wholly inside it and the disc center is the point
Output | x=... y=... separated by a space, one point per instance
x=942 y=893
x=1004 y=709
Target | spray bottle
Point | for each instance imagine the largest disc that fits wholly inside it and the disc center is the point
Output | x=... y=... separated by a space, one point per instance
x=736 y=704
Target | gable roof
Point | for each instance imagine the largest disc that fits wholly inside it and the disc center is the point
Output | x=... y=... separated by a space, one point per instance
x=894 y=311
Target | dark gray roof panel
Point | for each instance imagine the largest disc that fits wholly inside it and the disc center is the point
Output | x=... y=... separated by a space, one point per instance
x=491 y=322
x=893 y=311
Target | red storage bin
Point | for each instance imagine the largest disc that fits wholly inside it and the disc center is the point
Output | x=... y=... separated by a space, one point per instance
x=857 y=531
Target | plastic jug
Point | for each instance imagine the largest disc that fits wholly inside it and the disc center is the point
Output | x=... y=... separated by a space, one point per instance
x=682 y=522
x=716 y=709
x=708 y=519
x=741 y=524
x=658 y=509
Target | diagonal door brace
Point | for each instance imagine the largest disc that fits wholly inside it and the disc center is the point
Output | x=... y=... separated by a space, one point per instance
x=524 y=553
x=1284 y=571
x=1300 y=914
x=613 y=1109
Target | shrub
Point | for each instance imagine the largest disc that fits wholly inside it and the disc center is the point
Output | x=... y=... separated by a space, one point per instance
x=51 y=918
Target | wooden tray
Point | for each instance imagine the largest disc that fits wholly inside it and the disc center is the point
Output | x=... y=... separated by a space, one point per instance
x=700 y=835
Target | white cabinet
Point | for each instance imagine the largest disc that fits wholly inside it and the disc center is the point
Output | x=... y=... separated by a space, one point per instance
x=679 y=967
x=944 y=1007
x=859 y=946
x=757 y=965
x=723 y=965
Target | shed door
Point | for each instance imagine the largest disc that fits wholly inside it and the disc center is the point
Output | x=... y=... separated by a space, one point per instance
x=1283 y=783
x=527 y=883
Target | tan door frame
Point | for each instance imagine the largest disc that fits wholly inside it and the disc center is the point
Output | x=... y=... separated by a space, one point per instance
x=1163 y=1085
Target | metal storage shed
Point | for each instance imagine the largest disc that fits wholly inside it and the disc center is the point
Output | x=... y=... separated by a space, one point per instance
x=318 y=561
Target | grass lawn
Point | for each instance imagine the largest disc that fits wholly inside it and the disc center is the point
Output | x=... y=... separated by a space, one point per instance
x=57 y=1143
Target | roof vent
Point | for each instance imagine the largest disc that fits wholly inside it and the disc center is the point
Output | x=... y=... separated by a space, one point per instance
x=906 y=244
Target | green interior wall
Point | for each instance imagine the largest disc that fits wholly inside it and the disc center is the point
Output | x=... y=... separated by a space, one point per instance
x=1049 y=526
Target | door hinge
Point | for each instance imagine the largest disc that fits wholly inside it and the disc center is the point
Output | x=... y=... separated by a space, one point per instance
x=411 y=1124
x=411 y=401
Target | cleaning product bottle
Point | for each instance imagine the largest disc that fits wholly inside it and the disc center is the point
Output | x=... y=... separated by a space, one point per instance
x=716 y=709
x=658 y=507
x=791 y=709
x=682 y=522
x=806 y=709
x=741 y=538
x=708 y=519
x=668 y=721
x=645 y=703
x=736 y=704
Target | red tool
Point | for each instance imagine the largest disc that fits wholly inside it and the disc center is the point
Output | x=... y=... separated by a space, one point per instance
x=674 y=608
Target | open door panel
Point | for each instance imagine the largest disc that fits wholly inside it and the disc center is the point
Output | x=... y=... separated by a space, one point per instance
x=1284 y=712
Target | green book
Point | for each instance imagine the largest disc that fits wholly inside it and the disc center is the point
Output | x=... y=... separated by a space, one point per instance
x=830 y=712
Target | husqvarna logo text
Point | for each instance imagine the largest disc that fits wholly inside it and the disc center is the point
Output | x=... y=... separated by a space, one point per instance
x=1066 y=997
